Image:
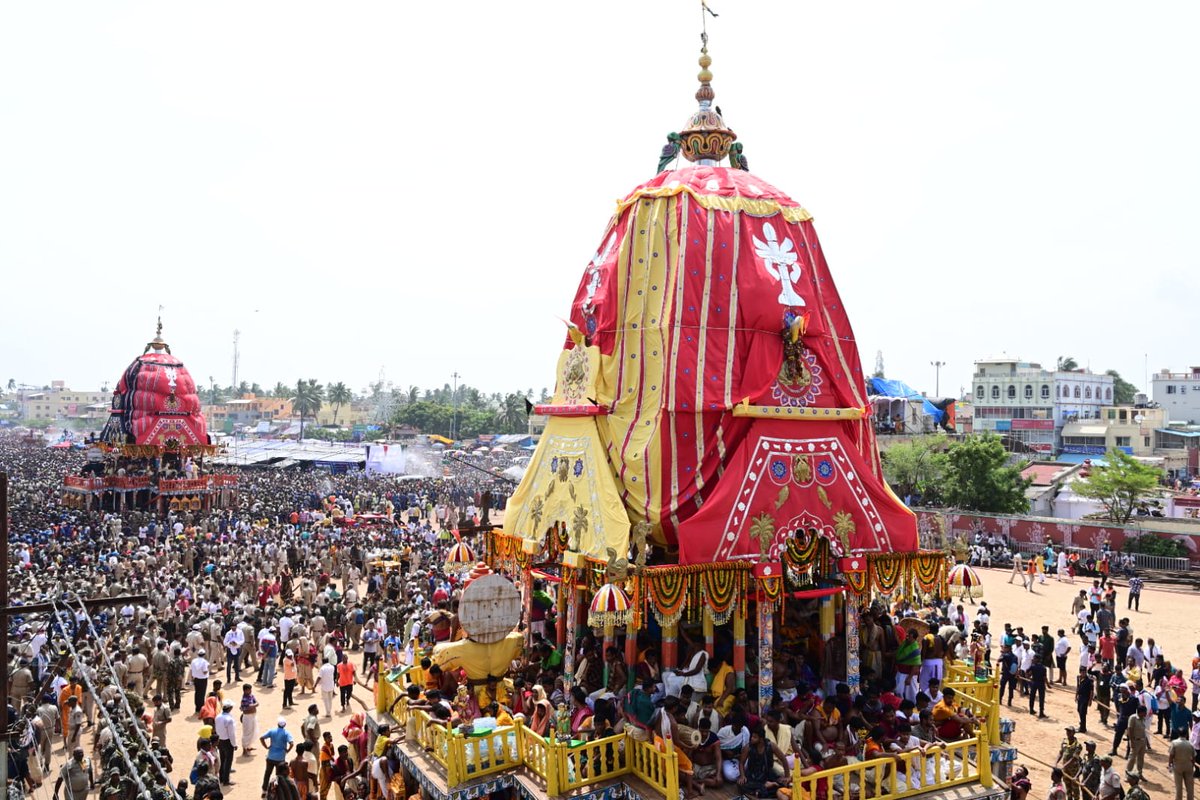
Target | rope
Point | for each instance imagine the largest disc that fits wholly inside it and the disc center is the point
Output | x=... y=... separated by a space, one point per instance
x=124 y=700
x=129 y=762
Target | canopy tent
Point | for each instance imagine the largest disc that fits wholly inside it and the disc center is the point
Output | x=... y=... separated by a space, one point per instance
x=386 y=459
x=892 y=398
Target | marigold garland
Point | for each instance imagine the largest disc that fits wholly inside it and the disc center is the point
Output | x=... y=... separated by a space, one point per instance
x=929 y=570
x=802 y=548
x=719 y=588
x=886 y=572
x=667 y=591
x=772 y=588
x=857 y=581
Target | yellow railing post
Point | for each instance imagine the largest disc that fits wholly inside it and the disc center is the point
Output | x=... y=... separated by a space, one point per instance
x=983 y=759
x=556 y=766
x=672 y=776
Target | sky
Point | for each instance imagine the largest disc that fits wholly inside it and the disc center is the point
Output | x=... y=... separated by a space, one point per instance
x=414 y=189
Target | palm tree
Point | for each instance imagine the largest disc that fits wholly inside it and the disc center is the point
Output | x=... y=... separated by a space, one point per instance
x=12 y=384
x=338 y=396
x=1067 y=364
x=512 y=414
x=281 y=390
x=306 y=399
x=214 y=391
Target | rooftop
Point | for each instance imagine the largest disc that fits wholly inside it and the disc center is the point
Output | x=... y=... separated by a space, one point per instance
x=1048 y=473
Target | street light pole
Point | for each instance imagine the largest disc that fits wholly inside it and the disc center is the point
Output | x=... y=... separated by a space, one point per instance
x=454 y=398
x=937 y=377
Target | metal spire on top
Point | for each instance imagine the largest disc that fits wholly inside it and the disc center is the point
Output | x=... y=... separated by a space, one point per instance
x=705 y=140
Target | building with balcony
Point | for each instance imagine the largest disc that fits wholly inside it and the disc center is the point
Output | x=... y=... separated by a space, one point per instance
x=1031 y=404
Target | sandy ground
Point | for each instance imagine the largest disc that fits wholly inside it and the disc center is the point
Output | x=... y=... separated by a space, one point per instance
x=1169 y=616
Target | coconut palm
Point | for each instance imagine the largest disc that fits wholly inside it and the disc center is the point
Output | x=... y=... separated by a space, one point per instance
x=306 y=399
x=512 y=413
x=281 y=390
x=338 y=396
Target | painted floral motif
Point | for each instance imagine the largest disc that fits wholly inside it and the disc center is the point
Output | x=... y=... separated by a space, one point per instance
x=575 y=376
x=799 y=381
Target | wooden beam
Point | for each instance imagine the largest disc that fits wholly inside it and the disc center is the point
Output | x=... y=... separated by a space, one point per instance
x=95 y=602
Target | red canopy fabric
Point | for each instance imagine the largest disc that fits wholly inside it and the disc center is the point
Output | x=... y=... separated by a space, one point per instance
x=710 y=288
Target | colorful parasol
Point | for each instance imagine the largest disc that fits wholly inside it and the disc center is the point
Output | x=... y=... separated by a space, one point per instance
x=964 y=577
x=610 y=606
x=459 y=557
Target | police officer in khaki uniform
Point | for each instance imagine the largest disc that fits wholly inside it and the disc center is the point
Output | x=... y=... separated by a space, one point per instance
x=137 y=667
x=160 y=665
x=20 y=684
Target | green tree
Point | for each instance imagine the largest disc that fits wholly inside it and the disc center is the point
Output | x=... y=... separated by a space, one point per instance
x=12 y=384
x=306 y=399
x=1119 y=485
x=917 y=468
x=281 y=390
x=512 y=414
x=426 y=416
x=338 y=396
x=1067 y=364
x=214 y=391
x=256 y=390
x=1123 y=390
x=979 y=478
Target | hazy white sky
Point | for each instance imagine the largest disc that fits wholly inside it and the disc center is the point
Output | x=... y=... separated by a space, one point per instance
x=417 y=186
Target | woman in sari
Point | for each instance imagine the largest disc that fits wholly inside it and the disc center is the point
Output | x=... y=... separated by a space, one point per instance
x=539 y=722
x=581 y=714
x=355 y=735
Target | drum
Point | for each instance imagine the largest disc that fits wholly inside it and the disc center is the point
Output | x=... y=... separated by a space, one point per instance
x=688 y=737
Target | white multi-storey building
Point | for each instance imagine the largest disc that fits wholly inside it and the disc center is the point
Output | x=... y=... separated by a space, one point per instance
x=1022 y=400
x=1178 y=393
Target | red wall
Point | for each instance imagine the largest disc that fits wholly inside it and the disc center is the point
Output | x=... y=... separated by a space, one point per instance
x=1071 y=533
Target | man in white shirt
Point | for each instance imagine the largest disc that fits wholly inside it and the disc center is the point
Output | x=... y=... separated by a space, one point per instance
x=199 y=673
x=1062 y=646
x=234 y=641
x=226 y=730
x=327 y=683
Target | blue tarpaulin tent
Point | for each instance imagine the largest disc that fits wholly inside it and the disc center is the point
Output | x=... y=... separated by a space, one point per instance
x=883 y=387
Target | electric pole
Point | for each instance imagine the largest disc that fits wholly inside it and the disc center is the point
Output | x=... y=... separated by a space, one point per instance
x=454 y=398
x=236 y=335
x=937 y=377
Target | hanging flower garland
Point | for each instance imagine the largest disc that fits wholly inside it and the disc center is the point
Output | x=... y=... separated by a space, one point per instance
x=719 y=588
x=802 y=549
x=772 y=588
x=886 y=571
x=667 y=592
x=929 y=570
x=522 y=559
x=857 y=581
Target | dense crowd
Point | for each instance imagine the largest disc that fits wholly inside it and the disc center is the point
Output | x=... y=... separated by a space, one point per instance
x=281 y=591
x=228 y=604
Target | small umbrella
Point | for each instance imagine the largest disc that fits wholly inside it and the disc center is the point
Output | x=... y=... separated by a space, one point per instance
x=459 y=557
x=610 y=606
x=965 y=578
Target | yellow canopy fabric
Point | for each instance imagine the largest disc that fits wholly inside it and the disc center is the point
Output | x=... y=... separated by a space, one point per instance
x=569 y=480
